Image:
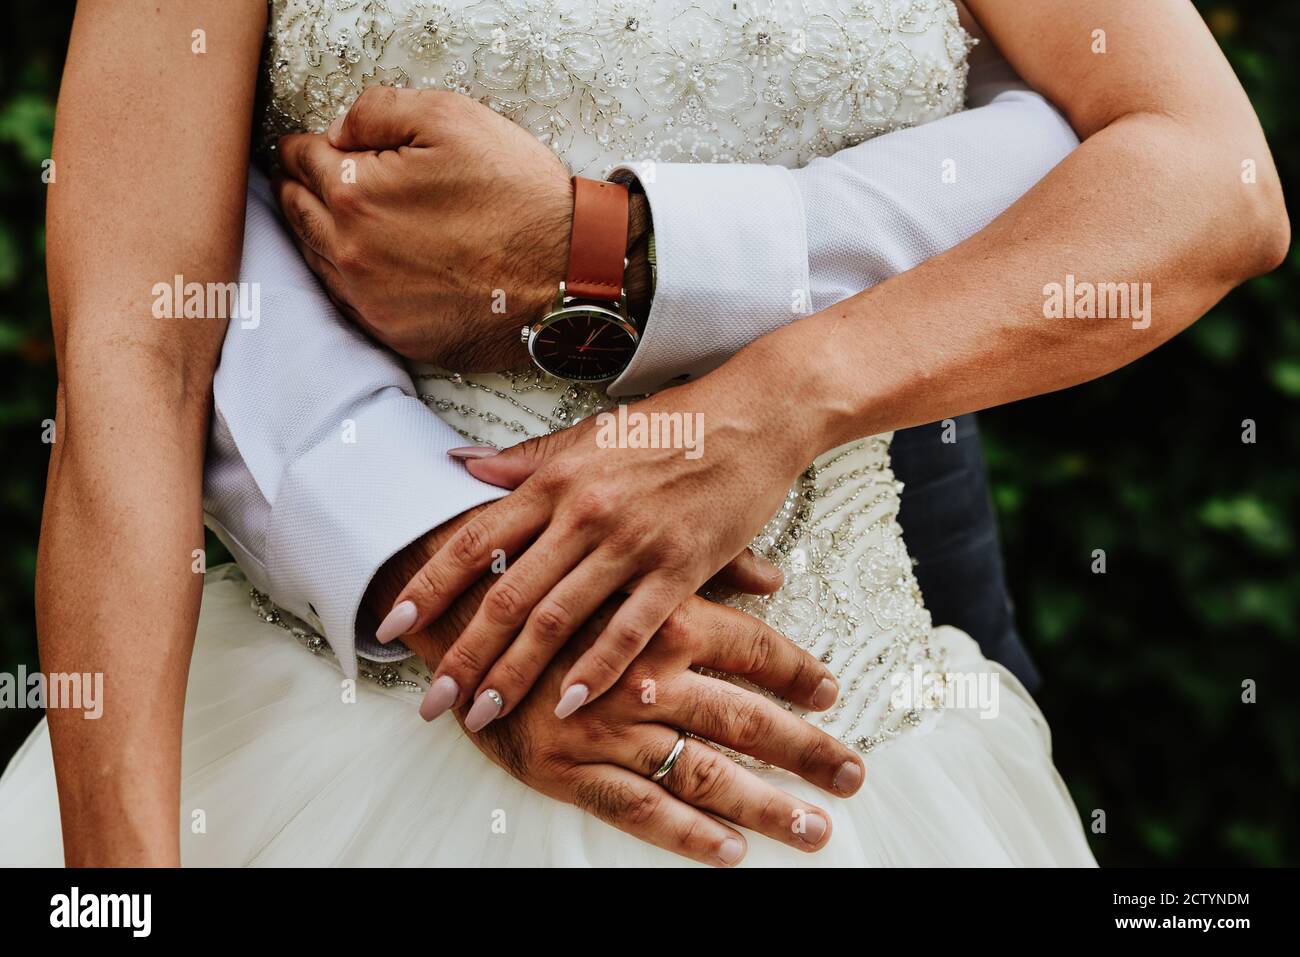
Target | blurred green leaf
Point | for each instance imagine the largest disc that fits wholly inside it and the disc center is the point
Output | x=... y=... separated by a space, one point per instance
x=27 y=121
x=1285 y=374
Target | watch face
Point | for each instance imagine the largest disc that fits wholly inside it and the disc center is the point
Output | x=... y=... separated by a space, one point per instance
x=585 y=343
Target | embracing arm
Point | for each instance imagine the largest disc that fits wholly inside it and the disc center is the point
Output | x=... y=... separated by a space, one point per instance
x=323 y=462
x=745 y=249
x=323 y=465
x=141 y=195
x=1155 y=195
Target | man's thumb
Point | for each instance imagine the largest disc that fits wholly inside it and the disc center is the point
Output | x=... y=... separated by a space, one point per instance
x=382 y=118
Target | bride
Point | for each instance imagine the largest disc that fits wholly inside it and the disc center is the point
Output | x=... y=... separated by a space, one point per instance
x=705 y=736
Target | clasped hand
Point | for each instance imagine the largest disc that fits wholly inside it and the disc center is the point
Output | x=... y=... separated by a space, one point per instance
x=434 y=223
x=439 y=226
x=586 y=522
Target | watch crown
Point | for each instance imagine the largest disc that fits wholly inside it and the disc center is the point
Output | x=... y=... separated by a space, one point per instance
x=524 y=333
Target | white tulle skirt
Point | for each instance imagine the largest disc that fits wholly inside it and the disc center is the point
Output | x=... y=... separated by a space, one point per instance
x=276 y=771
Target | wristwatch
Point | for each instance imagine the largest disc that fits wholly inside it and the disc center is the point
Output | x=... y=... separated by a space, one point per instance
x=589 y=335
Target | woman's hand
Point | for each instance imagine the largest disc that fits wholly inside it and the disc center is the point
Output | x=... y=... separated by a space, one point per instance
x=603 y=758
x=597 y=518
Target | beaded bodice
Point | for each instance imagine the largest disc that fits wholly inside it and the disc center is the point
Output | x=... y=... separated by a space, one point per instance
x=850 y=596
x=602 y=81
x=608 y=81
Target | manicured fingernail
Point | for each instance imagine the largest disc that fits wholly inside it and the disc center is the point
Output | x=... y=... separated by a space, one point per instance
x=825 y=694
x=731 y=851
x=398 y=622
x=486 y=707
x=814 y=828
x=847 y=778
x=571 y=701
x=335 y=128
x=441 y=695
x=473 y=452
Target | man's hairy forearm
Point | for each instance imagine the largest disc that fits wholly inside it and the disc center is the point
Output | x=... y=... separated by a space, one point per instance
x=638 y=279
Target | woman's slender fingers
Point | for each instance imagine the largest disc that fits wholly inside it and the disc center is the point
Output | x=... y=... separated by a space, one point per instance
x=756 y=726
x=628 y=632
x=750 y=574
x=553 y=620
x=740 y=644
x=710 y=781
x=639 y=807
x=501 y=529
x=474 y=661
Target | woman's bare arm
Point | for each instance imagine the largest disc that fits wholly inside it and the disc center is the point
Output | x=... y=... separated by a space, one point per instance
x=151 y=150
x=1173 y=186
x=1154 y=196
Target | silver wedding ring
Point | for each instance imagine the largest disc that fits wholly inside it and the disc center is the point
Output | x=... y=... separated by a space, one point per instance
x=669 y=761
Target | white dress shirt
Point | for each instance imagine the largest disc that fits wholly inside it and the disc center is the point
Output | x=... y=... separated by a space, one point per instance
x=743 y=248
x=323 y=463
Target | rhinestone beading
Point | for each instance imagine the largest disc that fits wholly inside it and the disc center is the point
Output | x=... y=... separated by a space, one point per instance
x=765 y=81
x=761 y=81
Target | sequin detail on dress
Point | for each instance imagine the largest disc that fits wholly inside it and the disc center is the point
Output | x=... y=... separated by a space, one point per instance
x=757 y=81
x=763 y=81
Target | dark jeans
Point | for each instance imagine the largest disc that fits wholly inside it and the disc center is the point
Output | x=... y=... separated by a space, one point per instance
x=950 y=531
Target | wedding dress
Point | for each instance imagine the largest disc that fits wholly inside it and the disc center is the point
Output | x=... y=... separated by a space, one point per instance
x=275 y=774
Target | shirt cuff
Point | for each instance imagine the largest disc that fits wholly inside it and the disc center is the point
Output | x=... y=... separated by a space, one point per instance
x=732 y=260
x=337 y=518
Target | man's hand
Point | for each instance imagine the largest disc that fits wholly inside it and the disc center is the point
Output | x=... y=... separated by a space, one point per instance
x=438 y=225
x=601 y=759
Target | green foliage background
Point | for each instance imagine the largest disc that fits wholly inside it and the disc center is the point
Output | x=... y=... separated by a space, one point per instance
x=1143 y=665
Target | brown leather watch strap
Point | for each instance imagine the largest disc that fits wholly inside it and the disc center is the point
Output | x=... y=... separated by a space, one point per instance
x=598 y=244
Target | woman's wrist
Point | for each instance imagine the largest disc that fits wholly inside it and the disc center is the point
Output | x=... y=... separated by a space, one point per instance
x=797 y=386
x=132 y=833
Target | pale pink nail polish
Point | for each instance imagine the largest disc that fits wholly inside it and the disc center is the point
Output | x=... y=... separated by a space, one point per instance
x=847 y=778
x=473 y=452
x=335 y=128
x=825 y=694
x=731 y=851
x=441 y=695
x=571 y=700
x=398 y=622
x=486 y=707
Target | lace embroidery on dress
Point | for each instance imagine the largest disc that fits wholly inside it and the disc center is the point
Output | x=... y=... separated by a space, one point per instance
x=766 y=81
x=755 y=81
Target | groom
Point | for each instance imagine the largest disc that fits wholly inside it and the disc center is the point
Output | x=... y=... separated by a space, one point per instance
x=462 y=240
